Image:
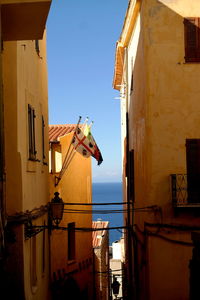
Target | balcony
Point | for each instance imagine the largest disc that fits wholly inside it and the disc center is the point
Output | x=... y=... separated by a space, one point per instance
x=24 y=19
x=179 y=188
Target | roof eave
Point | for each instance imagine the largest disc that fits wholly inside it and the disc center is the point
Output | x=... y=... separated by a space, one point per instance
x=118 y=68
x=128 y=27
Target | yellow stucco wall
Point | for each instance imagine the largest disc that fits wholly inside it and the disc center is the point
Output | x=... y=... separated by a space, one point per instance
x=163 y=107
x=138 y=111
x=30 y=89
x=172 y=98
x=184 y=8
x=164 y=110
x=74 y=187
x=25 y=82
x=168 y=265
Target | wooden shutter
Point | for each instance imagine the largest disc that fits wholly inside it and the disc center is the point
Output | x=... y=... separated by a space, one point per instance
x=131 y=176
x=192 y=39
x=71 y=241
x=43 y=142
x=193 y=169
x=31 y=132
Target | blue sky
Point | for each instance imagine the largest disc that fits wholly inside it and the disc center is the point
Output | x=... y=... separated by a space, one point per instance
x=81 y=40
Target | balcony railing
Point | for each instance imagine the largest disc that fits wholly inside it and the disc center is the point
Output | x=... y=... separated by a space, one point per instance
x=180 y=192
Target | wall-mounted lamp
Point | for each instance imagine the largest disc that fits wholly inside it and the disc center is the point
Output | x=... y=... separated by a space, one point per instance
x=56 y=209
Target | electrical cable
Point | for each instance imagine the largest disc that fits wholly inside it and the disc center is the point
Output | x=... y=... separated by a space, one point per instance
x=181 y=227
x=120 y=231
x=102 y=203
x=110 y=271
x=85 y=229
x=170 y=240
x=158 y=235
x=82 y=211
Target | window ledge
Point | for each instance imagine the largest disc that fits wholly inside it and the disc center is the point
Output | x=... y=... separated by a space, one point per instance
x=31 y=166
x=191 y=62
x=34 y=159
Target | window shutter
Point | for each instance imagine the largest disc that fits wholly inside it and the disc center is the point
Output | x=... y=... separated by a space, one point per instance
x=192 y=39
x=193 y=169
x=71 y=241
x=31 y=133
x=43 y=142
x=29 y=130
x=33 y=123
x=131 y=176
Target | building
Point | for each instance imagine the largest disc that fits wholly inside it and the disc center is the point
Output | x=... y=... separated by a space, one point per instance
x=157 y=73
x=117 y=265
x=101 y=260
x=24 y=252
x=71 y=249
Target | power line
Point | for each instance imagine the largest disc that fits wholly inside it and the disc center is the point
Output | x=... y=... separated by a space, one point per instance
x=111 y=211
x=93 y=211
x=110 y=271
x=86 y=229
x=103 y=203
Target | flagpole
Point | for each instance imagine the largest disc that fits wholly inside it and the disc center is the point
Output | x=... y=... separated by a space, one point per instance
x=69 y=158
x=58 y=178
x=91 y=124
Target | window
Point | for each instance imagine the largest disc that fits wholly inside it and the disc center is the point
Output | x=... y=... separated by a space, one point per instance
x=55 y=158
x=192 y=39
x=193 y=170
x=71 y=241
x=31 y=133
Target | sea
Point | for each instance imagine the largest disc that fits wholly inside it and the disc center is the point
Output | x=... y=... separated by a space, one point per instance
x=108 y=193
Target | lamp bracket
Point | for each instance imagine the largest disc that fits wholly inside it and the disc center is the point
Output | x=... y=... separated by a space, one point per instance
x=30 y=230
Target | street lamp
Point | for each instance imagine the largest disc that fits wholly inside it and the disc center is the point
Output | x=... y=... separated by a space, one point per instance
x=56 y=209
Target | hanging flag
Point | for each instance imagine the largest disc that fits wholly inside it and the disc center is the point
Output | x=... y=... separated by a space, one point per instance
x=96 y=154
x=85 y=144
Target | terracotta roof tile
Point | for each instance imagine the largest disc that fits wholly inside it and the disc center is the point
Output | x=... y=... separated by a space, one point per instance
x=97 y=235
x=56 y=131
